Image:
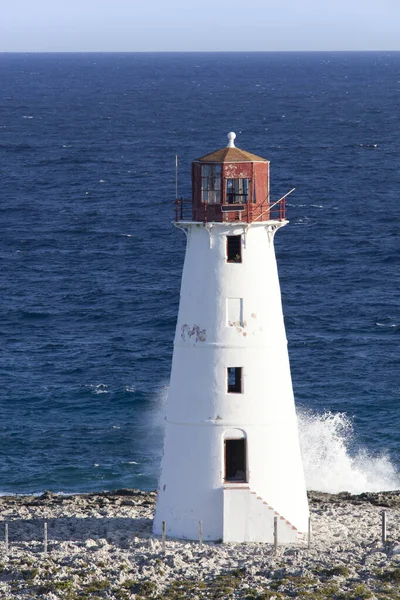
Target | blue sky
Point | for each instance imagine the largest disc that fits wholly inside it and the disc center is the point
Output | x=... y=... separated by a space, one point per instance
x=206 y=25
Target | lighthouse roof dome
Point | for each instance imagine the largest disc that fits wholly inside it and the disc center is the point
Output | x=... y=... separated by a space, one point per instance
x=230 y=154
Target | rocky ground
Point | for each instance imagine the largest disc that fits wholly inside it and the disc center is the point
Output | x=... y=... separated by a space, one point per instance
x=101 y=546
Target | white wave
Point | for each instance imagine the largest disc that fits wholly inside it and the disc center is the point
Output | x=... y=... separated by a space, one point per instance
x=329 y=464
x=100 y=388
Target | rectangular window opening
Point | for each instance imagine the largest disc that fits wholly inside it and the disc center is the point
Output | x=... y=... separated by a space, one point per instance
x=234 y=248
x=237 y=191
x=234 y=380
x=234 y=312
x=235 y=460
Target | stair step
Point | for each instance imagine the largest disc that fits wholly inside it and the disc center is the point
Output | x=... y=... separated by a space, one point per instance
x=288 y=523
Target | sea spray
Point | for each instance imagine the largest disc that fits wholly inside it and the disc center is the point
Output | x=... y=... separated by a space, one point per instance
x=332 y=460
x=330 y=463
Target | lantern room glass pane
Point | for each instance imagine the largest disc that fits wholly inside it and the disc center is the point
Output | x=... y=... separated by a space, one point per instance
x=211 y=184
x=237 y=191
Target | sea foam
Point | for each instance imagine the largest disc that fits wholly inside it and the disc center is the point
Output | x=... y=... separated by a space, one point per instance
x=331 y=464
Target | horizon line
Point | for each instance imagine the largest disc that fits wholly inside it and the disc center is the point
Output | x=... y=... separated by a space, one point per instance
x=189 y=51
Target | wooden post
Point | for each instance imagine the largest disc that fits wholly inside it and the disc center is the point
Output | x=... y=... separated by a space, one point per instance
x=275 y=533
x=383 y=527
x=201 y=534
x=309 y=532
x=6 y=536
x=163 y=537
x=45 y=538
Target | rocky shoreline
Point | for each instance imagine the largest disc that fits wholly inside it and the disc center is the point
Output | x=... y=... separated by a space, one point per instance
x=101 y=546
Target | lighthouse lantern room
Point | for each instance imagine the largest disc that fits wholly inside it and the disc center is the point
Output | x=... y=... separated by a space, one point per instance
x=231 y=450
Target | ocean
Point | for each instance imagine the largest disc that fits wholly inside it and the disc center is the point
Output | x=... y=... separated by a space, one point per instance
x=91 y=263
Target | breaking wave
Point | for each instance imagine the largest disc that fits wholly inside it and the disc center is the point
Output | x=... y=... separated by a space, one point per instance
x=329 y=463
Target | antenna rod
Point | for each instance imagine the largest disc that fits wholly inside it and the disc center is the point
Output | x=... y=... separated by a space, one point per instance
x=280 y=199
x=176 y=176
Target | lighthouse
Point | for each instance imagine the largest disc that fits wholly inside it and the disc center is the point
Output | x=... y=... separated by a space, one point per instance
x=231 y=455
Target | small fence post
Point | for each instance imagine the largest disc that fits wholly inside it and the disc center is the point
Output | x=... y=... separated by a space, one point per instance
x=163 y=537
x=309 y=532
x=275 y=534
x=6 y=536
x=383 y=527
x=45 y=538
x=201 y=534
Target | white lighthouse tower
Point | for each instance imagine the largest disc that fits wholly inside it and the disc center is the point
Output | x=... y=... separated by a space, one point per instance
x=231 y=450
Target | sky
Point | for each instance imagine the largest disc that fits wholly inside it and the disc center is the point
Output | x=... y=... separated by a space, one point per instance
x=204 y=25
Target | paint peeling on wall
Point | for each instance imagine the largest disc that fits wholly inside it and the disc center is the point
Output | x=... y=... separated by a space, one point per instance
x=193 y=333
x=235 y=171
x=238 y=326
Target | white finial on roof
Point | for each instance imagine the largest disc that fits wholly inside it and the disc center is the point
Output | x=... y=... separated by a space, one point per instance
x=231 y=139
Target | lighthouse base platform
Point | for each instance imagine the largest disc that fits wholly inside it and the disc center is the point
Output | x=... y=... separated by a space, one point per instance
x=244 y=516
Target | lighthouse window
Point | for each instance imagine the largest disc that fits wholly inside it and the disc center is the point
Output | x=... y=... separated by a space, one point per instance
x=235 y=460
x=237 y=191
x=211 y=184
x=234 y=248
x=234 y=380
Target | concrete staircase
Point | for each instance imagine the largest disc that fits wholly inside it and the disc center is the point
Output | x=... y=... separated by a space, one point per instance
x=249 y=518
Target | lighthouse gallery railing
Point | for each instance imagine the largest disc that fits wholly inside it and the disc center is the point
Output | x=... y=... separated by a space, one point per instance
x=276 y=211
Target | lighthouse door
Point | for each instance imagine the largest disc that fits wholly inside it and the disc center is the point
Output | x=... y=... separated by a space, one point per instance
x=235 y=460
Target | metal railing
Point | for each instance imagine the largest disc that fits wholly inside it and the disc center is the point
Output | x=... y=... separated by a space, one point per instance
x=183 y=210
x=245 y=212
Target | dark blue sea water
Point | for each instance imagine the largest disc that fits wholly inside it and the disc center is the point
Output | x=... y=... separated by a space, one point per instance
x=91 y=264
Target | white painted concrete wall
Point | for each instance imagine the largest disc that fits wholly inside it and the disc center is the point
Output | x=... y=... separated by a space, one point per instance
x=199 y=409
x=256 y=522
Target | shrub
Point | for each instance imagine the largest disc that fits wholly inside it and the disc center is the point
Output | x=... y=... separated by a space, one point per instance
x=337 y=570
x=391 y=576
